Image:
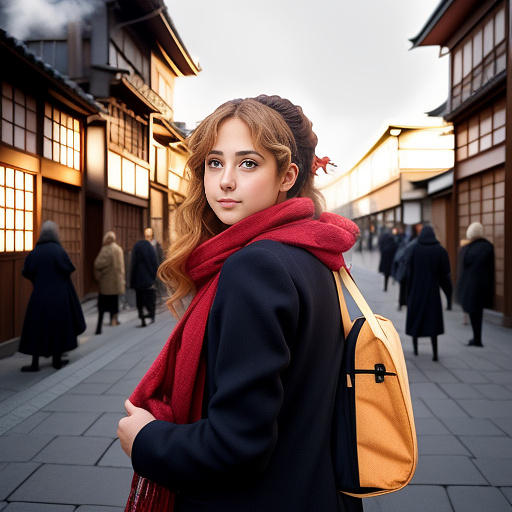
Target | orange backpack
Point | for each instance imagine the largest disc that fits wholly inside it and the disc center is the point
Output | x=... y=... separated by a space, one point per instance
x=374 y=442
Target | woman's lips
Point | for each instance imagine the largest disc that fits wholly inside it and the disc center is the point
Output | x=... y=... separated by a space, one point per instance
x=228 y=203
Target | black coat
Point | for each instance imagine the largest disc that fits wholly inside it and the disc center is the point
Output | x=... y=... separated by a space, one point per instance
x=273 y=351
x=387 y=247
x=427 y=270
x=475 y=286
x=143 y=265
x=54 y=315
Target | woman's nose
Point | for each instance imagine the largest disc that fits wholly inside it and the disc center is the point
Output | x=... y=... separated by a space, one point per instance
x=227 y=181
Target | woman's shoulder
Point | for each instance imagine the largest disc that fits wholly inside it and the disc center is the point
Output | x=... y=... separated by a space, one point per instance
x=270 y=251
x=267 y=260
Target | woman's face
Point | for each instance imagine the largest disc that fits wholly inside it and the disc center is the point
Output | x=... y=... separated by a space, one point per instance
x=239 y=179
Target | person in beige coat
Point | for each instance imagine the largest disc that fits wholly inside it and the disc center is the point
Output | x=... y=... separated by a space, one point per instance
x=109 y=272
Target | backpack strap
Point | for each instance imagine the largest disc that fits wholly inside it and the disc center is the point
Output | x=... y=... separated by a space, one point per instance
x=345 y=315
x=363 y=306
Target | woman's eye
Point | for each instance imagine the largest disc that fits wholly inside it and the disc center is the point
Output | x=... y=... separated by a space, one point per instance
x=249 y=164
x=215 y=164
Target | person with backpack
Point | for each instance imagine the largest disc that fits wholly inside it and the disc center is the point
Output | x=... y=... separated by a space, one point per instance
x=236 y=412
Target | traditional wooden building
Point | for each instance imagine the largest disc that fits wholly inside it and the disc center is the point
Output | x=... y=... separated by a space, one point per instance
x=127 y=54
x=388 y=187
x=43 y=121
x=476 y=34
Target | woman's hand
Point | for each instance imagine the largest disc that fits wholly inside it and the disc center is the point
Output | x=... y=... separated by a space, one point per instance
x=131 y=425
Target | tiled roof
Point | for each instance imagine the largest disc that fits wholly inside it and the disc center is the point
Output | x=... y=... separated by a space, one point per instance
x=72 y=87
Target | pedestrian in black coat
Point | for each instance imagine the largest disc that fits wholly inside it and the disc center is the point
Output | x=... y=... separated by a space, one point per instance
x=398 y=268
x=427 y=270
x=387 y=248
x=54 y=316
x=475 y=285
x=143 y=269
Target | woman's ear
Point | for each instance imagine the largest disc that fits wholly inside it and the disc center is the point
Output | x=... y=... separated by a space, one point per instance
x=289 y=178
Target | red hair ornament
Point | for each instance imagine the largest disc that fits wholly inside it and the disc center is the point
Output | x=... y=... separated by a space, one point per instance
x=321 y=163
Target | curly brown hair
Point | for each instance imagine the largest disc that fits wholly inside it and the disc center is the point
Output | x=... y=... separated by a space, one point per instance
x=277 y=126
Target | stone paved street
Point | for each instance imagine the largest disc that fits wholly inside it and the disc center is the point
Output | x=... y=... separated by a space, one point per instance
x=58 y=447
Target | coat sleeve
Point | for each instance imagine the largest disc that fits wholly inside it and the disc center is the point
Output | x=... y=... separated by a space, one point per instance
x=101 y=263
x=445 y=279
x=254 y=313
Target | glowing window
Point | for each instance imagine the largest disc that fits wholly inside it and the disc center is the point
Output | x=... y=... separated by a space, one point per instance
x=62 y=142
x=16 y=210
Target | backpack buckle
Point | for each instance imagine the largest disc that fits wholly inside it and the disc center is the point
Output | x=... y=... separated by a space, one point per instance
x=380 y=372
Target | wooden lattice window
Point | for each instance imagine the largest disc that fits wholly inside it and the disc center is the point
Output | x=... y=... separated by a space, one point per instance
x=16 y=210
x=62 y=142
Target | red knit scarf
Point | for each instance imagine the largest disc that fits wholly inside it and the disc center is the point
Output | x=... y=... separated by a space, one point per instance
x=172 y=389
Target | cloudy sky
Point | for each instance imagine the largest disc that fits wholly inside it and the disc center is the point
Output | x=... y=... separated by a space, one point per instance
x=346 y=62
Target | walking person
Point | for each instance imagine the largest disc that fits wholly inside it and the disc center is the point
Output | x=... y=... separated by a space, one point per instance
x=143 y=268
x=427 y=270
x=109 y=272
x=160 y=288
x=398 y=269
x=243 y=381
x=54 y=316
x=387 y=248
x=475 y=284
x=149 y=235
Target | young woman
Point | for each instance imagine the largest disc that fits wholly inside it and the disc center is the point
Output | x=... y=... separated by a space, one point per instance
x=235 y=414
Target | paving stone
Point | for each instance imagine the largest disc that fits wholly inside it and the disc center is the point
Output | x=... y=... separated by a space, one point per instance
x=73 y=403
x=427 y=390
x=430 y=427
x=124 y=362
x=106 y=376
x=494 y=391
x=482 y=360
x=440 y=445
x=3 y=504
x=472 y=427
x=30 y=423
x=471 y=376
x=4 y=393
x=115 y=457
x=123 y=389
x=499 y=377
x=67 y=423
x=106 y=425
x=487 y=408
x=470 y=499
x=38 y=507
x=89 y=389
x=74 y=450
x=496 y=447
x=454 y=363
x=413 y=498
x=20 y=448
x=14 y=474
x=447 y=470
x=440 y=376
x=497 y=471
x=420 y=409
x=445 y=408
x=461 y=390
x=504 y=424
x=58 y=484
x=507 y=492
